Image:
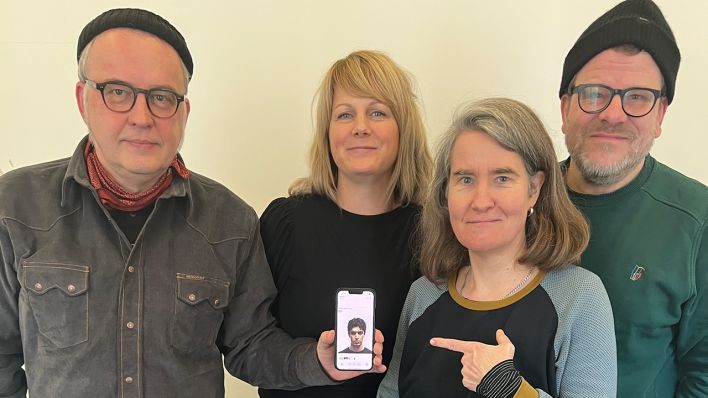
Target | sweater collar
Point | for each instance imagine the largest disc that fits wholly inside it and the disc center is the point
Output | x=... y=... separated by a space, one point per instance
x=632 y=187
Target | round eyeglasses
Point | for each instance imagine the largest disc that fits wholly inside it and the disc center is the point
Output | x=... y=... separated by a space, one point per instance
x=121 y=97
x=595 y=98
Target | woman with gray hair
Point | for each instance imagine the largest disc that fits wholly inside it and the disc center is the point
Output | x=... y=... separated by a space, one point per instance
x=500 y=301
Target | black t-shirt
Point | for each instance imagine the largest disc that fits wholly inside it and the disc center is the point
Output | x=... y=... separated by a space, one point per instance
x=131 y=222
x=348 y=350
x=314 y=248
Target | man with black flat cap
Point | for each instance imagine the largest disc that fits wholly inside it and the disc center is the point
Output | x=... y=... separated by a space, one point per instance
x=124 y=273
x=648 y=241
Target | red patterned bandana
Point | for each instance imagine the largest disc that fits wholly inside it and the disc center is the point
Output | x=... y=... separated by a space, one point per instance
x=114 y=196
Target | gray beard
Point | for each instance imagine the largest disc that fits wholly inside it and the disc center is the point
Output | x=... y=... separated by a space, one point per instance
x=607 y=175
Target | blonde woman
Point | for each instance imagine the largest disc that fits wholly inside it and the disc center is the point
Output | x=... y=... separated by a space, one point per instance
x=501 y=312
x=350 y=223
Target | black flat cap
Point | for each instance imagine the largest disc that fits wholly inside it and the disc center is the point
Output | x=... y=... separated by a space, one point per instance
x=135 y=18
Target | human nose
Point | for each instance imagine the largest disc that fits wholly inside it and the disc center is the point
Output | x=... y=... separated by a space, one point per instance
x=140 y=114
x=614 y=113
x=481 y=198
x=361 y=126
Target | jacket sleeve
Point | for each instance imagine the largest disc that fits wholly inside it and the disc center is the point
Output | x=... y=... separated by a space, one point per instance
x=692 y=340
x=12 y=377
x=254 y=349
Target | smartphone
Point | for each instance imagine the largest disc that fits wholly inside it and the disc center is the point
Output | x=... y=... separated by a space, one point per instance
x=355 y=328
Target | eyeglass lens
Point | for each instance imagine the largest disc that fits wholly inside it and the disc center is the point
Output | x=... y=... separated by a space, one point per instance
x=635 y=102
x=121 y=98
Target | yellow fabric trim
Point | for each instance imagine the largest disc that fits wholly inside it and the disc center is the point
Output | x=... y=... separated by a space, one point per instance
x=526 y=391
x=491 y=305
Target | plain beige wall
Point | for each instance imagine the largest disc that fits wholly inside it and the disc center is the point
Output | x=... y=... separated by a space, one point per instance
x=258 y=63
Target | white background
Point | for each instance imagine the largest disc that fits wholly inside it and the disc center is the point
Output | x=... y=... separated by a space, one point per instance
x=258 y=64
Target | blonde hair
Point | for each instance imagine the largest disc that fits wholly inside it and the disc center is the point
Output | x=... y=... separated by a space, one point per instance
x=371 y=74
x=556 y=233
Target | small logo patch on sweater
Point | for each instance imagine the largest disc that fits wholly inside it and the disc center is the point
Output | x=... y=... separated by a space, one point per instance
x=637 y=273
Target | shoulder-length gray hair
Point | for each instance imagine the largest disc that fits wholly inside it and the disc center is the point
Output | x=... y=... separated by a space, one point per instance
x=556 y=233
x=371 y=74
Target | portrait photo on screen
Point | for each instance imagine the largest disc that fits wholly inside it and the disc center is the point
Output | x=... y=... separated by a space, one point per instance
x=355 y=328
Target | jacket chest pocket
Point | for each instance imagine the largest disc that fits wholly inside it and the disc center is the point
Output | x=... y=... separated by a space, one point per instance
x=58 y=297
x=198 y=312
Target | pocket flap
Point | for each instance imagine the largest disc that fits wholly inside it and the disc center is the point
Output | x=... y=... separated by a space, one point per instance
x=42 y=277
x=193 y=289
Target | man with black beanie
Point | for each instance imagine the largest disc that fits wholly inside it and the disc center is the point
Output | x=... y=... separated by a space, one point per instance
x=123 y=273
x=648 y=242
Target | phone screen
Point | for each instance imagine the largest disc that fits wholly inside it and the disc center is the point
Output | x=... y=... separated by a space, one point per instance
x=355 y=329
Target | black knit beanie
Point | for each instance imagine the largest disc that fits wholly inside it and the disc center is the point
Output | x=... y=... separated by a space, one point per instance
x=136 y=19
x=637 y=22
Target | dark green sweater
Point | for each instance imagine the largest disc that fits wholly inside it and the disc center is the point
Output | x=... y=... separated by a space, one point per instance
x=650 y=248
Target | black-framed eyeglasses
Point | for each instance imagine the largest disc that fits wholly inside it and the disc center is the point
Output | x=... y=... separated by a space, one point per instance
x=121 y=97
x=636 y=101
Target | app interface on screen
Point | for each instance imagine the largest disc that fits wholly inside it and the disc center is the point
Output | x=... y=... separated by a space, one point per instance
x=355 y=330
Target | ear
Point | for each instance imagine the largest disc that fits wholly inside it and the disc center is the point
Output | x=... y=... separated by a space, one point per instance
x=187 y=108
x=535 y=184
x=662 y=106
x=564 y=108
x=79 y=93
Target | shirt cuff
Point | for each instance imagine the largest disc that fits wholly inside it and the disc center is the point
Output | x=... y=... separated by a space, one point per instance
x=310 y=372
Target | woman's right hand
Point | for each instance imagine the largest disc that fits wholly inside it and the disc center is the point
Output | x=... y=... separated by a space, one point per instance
x=477 y=358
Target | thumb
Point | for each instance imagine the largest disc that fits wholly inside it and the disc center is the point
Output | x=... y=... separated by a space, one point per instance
x=326 y=338
x=502 y=338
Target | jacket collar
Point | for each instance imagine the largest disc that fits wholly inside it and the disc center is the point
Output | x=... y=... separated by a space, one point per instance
x=77 y=172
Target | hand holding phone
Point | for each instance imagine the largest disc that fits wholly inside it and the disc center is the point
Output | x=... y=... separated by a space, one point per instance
x=355 y=328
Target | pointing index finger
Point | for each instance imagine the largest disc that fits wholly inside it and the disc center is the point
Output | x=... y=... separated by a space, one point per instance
x=452 y=344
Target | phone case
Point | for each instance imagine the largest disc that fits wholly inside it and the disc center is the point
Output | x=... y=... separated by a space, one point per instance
x=355 y=319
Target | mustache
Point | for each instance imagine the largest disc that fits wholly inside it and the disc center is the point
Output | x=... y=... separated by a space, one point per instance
x=601 y=126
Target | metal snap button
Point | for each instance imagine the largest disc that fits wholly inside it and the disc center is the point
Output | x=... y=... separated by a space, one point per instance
x=131 y=269
x=216 y=301
x=192 y=297
x=130 y=325
x=71 y=288
x=129 y=380
x=38 y=286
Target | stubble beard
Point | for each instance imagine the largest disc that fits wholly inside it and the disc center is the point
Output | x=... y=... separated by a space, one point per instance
x=607 y=174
